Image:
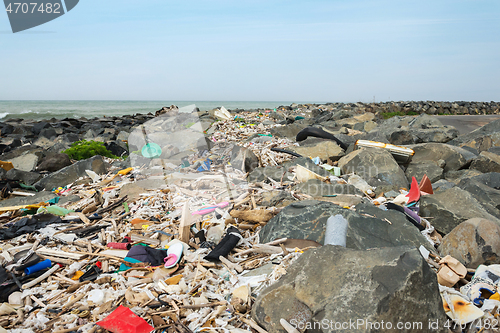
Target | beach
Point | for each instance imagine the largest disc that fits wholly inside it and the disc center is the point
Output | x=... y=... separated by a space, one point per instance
x=376 y=196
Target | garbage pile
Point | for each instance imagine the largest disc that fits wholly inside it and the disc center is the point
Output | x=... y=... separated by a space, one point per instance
x=192 y=235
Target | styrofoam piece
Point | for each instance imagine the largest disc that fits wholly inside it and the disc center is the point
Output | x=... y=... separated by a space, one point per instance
x=336 y=230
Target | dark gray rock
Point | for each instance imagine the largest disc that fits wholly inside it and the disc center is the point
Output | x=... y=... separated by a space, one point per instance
x=68 y=137
x=322 y=148
x=116 y=149
x=473 y=242
x=59 y=147
x=26 y=177
x=486 y=162
x=338 y=285
x=244 y=159
x=425 y=121
x=288 y=131
x=276 y=199
x=375 y=135
x=48 y=133
x=495 y=150
x=458 y=175
x=38 y=127
x=307 y=220
x=26 y=162
x=440 y=135
x=442 y=185
x=401 y=137
x=317 y=188
x=53 y=162
x=455 y=158
x=482 y=138
x=483 y=190
x=283 y=171
x=452 y=207
x=377 y=167
x=20 y=151
x=6 y=129
x=71 y=173
x=430 y=169
x=37 y=198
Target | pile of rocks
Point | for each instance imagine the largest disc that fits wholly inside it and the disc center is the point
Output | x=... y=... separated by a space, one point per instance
x=247 y=169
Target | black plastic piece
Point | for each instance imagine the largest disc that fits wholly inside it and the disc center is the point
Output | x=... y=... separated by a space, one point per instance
x=91 y=274
x=393 y=206
x=225 y=245
x=286 y=152
x=318 y=133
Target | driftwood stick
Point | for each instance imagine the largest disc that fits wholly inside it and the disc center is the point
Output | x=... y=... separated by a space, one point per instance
x=41 y=277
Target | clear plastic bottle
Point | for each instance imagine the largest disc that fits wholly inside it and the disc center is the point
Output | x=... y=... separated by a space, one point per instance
x=361 y=184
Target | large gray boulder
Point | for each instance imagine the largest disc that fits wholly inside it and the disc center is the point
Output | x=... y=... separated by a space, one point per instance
x=485 y=188
x=317 y=188
x=454 y=158
x=244 y=159
x=452 y=207
x=288 y=131
x=53 y=162
x=71 y=173
x=377 y=167
x=486 y=162
x=307 y=220
x=283 y=171
x=482 y=138
x=418 y=170
x=332 y=284
x=322 y=148
x=26 y=177
x=26 y=162
x=410 y=130
x=473 y=242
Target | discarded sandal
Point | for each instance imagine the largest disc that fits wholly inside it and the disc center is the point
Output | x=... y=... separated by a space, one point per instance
x=174 y=254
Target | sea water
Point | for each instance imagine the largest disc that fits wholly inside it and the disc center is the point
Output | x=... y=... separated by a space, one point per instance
x=90 y=109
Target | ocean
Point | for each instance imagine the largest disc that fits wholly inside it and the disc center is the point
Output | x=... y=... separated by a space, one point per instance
x=74 y=109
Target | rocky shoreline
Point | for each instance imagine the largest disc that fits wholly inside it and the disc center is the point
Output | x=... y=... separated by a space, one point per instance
x=276 y=177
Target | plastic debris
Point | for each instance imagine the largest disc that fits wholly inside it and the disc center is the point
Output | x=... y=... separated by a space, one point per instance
x=123 y=320
x=336 y=230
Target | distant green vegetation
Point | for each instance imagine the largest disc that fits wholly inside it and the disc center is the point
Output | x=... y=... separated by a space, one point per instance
x=387 y=115
x=81 y=150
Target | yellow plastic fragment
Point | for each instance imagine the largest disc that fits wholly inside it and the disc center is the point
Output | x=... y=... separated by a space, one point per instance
x=125 y=171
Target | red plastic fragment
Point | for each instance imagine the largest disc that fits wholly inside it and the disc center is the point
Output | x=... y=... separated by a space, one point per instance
x=123 y=320
x=414 y=194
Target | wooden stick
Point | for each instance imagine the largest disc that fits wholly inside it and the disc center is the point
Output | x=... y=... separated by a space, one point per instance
x=195 y=306
x=83 y=218
x=73 y=301
x=58 y=260
x=253 y=325
x=229 y=264
x=129 y=264
x=41 y=277
x=62 y=277
x=37 y=301
x=184 y=227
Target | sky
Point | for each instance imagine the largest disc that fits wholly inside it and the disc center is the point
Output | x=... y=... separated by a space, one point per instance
x=252 y=50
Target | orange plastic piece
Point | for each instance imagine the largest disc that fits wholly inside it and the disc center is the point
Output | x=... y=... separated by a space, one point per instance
x=6 y=165
x=425 y=185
